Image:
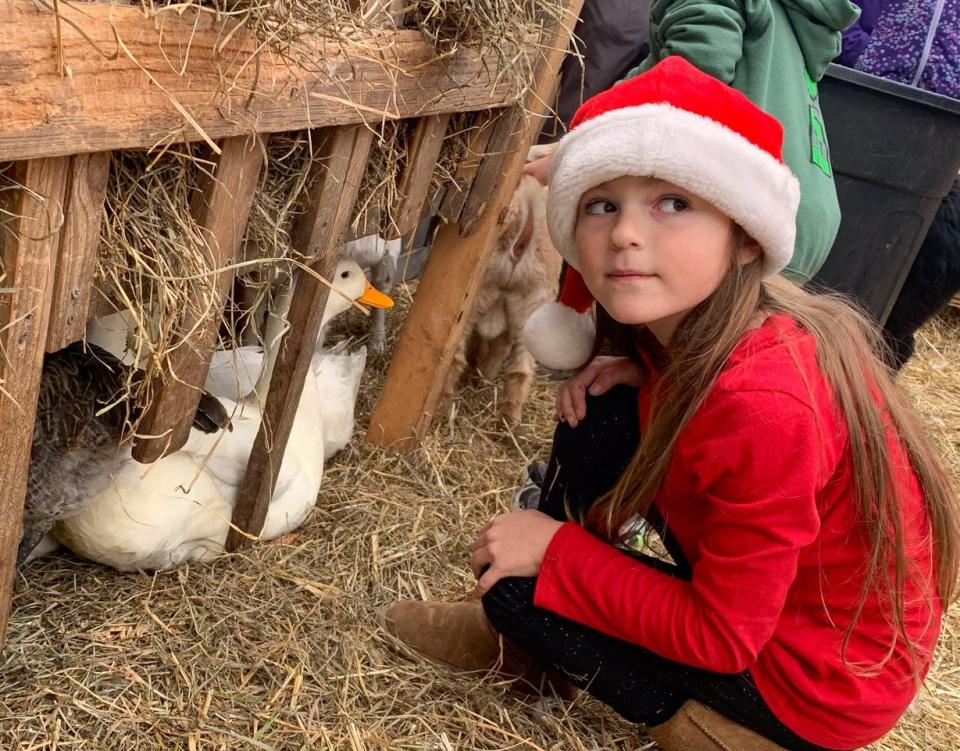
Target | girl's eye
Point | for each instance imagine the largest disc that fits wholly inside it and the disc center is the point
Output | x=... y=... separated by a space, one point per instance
x=599 y=206
x=672 y=205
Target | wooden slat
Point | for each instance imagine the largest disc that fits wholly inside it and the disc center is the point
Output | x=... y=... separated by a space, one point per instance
x=501 y=149
x=318 y=233
x=418 y=172
x=135 y=81
x=29 y=255
x=79 y=241
x=477 y=140
x=955 y=302
x=449 y=284
x=221 y=210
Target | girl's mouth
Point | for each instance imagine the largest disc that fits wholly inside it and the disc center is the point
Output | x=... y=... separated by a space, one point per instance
x=628 y=276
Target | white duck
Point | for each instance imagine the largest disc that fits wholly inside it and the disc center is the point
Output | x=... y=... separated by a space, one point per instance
x=178 y=509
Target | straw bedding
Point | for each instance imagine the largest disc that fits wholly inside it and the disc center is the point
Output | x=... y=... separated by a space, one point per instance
x=278 y=647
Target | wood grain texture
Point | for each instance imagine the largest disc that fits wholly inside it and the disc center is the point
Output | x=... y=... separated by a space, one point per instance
x=415 y=181
x=503 y=145
x=449 y=285
x=318 y=233
x=136 y=81
x=29 y=252
x=221 y=210
x=79 y=241
x=459 y=188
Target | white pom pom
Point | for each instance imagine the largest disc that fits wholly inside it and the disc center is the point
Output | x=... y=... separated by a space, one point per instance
x=559 y=337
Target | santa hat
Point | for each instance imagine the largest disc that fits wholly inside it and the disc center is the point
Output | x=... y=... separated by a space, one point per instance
x=677 y=124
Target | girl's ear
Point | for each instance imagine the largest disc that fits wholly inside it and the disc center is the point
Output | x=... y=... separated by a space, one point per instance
x=748 y=251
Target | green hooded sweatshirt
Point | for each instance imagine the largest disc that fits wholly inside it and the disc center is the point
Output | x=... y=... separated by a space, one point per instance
x=774 y=51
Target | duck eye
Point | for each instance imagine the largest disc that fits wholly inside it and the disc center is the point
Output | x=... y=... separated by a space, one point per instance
x=345 y=275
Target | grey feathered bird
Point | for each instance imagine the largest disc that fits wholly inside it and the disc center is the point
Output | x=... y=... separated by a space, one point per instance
x=74 y=443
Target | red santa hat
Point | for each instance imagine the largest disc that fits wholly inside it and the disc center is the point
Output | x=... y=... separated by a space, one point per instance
x=677 y=124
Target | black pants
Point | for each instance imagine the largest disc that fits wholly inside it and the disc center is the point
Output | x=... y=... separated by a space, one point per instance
x=639 y=685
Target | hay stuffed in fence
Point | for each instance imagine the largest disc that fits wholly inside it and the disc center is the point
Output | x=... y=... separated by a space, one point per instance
x=152 y=261
x=509 y=28
x=379 y=194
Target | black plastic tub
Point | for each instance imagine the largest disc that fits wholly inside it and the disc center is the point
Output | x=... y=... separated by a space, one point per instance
x=895 y=151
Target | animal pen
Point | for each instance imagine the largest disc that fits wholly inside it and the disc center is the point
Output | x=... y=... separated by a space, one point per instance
x=81 y=82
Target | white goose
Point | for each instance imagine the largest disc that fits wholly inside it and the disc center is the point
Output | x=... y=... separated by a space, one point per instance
x=178 y=509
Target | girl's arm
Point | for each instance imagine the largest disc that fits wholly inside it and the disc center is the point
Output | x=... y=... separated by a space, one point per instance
x=707 y=33
x=757 y=460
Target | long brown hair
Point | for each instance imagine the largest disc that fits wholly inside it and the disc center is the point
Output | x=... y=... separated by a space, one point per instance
x=850 y=356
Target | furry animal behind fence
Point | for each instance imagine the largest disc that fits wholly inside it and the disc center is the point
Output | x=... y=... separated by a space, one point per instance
x=522 y=275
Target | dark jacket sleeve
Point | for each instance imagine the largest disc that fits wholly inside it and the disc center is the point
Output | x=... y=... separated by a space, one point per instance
x=857 y=36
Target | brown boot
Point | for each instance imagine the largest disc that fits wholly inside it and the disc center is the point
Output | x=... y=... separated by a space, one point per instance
x=459 y=634
x=698 y=728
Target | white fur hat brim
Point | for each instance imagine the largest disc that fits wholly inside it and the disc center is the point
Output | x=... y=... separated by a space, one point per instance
x=753 y=188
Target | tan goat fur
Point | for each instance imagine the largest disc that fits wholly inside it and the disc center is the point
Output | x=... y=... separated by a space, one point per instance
x=522 y=275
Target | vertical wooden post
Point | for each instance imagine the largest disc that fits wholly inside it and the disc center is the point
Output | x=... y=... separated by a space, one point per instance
x=29 y=251
x=79 y=241
x=450 y=281
x=318 y=233
x=221 y=210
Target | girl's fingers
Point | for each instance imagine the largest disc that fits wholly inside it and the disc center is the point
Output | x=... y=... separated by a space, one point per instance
x=480 y=560
x=602 y=383
x=480 y=542
x=566 y=408
x=491 y=577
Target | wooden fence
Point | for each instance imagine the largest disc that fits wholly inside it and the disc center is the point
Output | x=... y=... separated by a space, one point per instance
x=105 y=77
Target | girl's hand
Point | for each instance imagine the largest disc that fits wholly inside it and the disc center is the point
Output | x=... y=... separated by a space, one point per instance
x=511 y=545
x=601 y=375
x=539 y=168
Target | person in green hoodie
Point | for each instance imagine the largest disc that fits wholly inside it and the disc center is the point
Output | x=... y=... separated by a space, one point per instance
x=775 y=52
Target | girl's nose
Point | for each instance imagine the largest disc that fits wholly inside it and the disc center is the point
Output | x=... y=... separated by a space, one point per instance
x=628 y=231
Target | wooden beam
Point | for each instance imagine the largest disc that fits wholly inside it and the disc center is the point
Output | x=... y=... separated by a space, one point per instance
x=318 y=233
x=221 y=210
x=449 y=284
x=79 y=242
x=136 y=80
x=29 y=251
x=459 y=188
x=501 y=148
x=414 y=183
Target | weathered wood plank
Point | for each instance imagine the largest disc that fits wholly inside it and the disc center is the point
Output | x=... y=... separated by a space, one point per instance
x=501 y=148
x=459 y=188
x=449 y=284
x=79 y=241
x=418 y=172
x=221 y=210
x=29 y=254
x=318 y=232
x=136 y=81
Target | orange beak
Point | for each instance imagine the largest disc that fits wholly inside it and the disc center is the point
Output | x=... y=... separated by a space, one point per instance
x=374 y=298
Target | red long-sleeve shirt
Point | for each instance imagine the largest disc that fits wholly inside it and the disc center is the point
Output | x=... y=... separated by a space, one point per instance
x=759 y=496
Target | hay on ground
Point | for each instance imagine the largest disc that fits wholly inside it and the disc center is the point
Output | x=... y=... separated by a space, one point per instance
x=278 y=647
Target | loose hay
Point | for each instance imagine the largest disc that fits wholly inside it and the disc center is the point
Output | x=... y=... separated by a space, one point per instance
x=152 y=260
x=278 y=647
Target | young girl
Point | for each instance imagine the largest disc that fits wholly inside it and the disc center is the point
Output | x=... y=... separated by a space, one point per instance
x=813 y=533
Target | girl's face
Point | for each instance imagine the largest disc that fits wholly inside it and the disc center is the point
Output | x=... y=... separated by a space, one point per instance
x=650 y=252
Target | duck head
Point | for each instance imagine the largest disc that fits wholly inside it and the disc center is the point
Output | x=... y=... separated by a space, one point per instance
x=350 y=285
